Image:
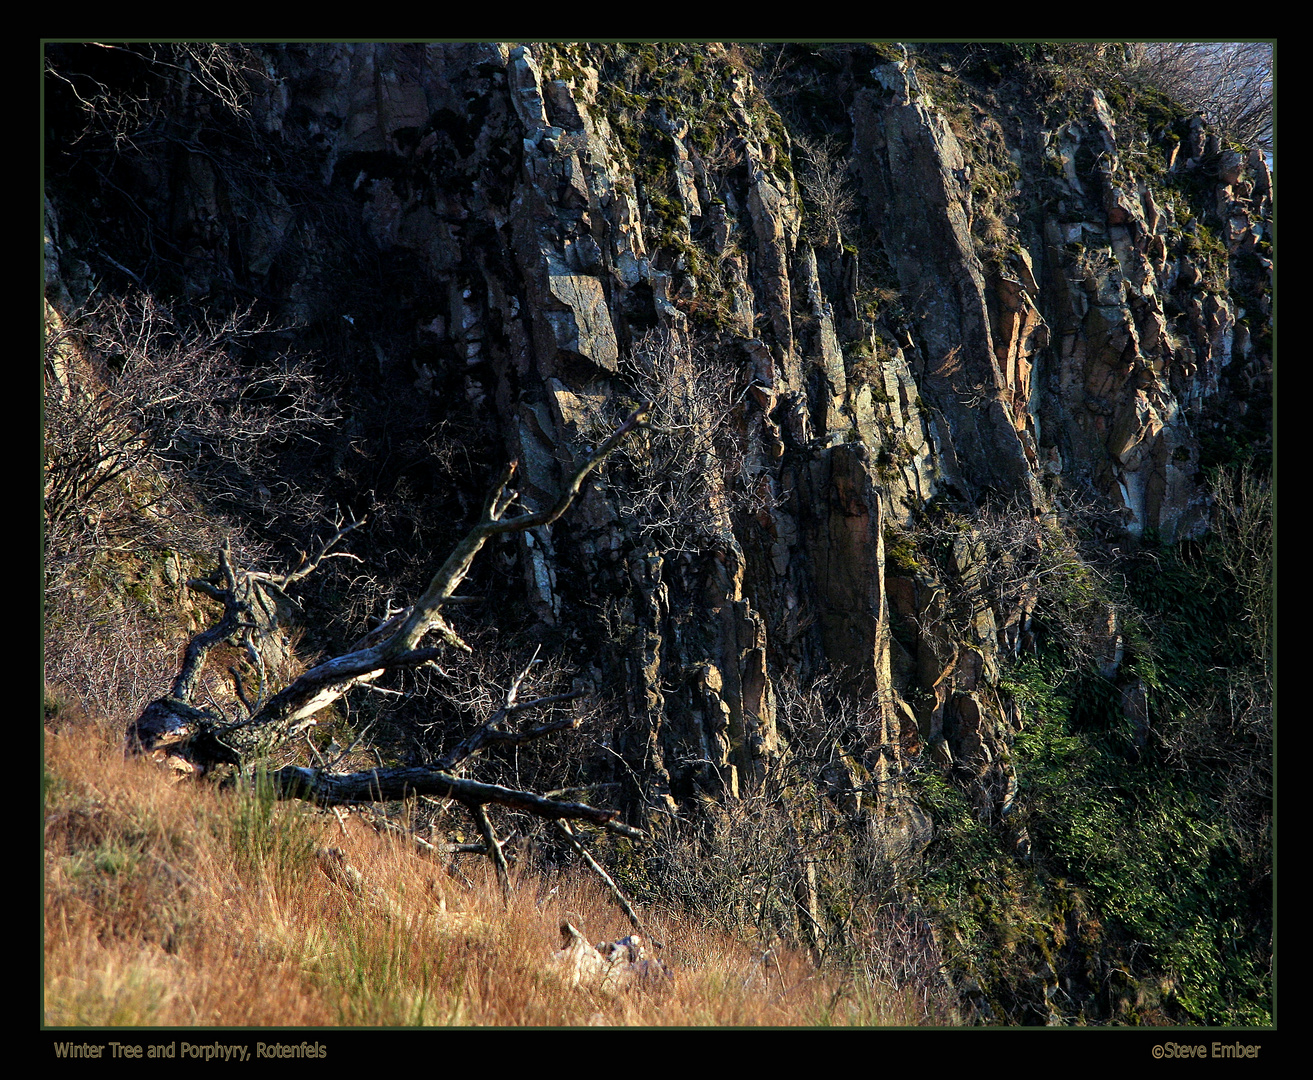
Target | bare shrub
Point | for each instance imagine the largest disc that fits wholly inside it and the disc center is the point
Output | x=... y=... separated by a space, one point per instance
x=142 y=391
x=1030 y=571
x=1226 y=724
x=805 y=861
x=153 y=80
x=1227 y=729
x=1243 y=548
x=827 y=189
x=679 y=491
x=742 y=865
x=1230 y=83
x=725 y=155
x=148 y=424
x=104 y=665
x=444 y=706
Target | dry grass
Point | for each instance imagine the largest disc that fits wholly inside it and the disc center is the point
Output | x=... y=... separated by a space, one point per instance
x=174 y=904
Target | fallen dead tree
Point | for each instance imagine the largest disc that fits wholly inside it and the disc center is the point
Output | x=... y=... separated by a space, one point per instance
x=189 y=731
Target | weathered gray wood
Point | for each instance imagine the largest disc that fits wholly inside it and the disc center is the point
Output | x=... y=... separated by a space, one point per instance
x=495 y=852
x=615 y=890
x=425 y=614
x=176 y=725
x=325 y=684
x=175 y=720
x=394 y=785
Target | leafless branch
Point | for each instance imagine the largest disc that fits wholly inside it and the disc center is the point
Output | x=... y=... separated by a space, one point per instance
x=678 y=488
x=398 y=784
x=127 y=386
x=616 y=892
x=251 y=601
x=308 y=564
x=1230 y=83
x=494 y=848
x=827 y=188
x=225 y=74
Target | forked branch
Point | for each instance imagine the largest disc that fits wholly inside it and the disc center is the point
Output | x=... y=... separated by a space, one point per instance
x=322 y=685
x=176 y=724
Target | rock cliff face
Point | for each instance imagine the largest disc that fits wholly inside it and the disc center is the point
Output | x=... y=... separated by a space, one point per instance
x=1011 y=311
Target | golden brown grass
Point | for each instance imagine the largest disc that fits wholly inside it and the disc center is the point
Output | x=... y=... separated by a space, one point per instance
x=175 y=904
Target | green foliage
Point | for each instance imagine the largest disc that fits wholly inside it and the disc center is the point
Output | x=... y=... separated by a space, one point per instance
x=997 y=918
x=866 y=370
x=376 y=978
x=1154 y=858
x=900 y=552
x=1146 y=800
x=269 y=838
x=1157 y=869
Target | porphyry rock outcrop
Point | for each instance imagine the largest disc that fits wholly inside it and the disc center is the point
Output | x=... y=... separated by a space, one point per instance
x=520 y=242
x=915 y=177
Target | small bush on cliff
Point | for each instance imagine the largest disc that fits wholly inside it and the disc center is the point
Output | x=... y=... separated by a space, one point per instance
x=827 y=190
x=678 y=488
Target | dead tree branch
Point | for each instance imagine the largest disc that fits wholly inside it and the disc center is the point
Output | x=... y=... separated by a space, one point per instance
x=286 y=713
x=397 y=784
x=596 y=867
x=203 y=737
x=322 y=685
x=495 y=853
x=490 y=734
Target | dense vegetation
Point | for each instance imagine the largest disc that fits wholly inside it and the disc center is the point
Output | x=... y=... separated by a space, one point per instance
x=1149 y=883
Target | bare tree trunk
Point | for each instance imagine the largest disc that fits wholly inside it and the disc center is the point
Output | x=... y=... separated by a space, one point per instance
x=394 y=785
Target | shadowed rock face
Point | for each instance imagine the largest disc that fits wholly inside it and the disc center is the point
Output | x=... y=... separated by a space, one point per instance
x=541 y=220
x=912 y=169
